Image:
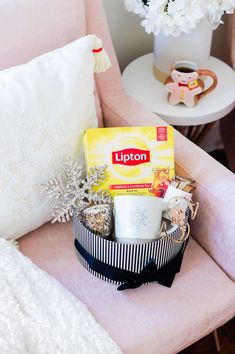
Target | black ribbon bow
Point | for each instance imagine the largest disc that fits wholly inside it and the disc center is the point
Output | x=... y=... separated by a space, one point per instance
x=164 y=276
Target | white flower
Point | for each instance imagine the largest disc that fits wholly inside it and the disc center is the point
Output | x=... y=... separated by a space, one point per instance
x=173 y=17
x=137 y=7
x=216 y=8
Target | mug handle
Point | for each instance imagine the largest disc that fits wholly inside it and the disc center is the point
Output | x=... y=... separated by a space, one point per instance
x=185 y=233
x=204 y=72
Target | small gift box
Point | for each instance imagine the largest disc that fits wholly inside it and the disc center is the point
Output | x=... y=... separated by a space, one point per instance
x=130 y=265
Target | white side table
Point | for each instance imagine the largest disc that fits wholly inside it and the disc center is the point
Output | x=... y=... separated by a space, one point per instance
x=140 y=83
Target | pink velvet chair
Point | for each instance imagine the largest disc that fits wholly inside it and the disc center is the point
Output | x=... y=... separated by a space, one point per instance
x=152 y=318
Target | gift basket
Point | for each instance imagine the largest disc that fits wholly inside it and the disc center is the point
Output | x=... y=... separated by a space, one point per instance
x=130 y=211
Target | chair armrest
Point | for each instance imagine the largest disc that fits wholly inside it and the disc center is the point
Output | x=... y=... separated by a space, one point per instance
x=214 y=227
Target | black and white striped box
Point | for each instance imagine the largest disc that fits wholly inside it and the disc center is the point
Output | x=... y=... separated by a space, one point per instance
x=129 y=257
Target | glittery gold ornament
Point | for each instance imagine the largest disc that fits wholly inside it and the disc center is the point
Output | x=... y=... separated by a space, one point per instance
x=99 y=219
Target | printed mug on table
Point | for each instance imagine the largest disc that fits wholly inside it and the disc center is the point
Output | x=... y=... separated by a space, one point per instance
x=185 y=86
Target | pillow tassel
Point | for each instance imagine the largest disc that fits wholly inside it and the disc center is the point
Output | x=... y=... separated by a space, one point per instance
x=102 y=61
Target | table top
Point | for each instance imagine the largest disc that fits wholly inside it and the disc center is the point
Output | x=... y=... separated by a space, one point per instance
x=140 y=83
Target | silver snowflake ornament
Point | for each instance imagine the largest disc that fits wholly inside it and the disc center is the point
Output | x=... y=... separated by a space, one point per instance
x=73 y=191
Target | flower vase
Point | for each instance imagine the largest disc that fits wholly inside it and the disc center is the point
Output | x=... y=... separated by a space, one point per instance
x=194 y=46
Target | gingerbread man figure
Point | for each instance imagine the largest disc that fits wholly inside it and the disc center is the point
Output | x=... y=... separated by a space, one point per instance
x=184 y=86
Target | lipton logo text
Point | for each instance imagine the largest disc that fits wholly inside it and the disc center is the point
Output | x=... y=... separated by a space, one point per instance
x=130 y=157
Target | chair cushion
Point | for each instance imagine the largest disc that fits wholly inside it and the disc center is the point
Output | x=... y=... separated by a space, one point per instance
x=150 y=319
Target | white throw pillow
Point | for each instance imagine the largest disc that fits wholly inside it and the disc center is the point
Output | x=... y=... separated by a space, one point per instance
x=45 y=106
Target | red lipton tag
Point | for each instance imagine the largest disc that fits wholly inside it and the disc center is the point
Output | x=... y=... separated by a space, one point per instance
x=161 y=133
x=130 y=157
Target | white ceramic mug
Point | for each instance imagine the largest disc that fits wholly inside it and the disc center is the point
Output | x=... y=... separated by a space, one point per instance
x=137 y=218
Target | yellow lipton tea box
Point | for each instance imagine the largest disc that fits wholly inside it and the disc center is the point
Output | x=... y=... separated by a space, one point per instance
x=139 y=160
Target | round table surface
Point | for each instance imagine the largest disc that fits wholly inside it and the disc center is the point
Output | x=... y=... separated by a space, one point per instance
x=140 y=83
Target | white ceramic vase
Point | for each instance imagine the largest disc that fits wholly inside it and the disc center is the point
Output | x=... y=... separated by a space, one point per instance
x=195 y=47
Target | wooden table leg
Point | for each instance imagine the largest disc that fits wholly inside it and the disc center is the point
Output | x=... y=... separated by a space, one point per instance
x=203 y=133
x=216 y=339
x=195 y=133
x=190 y=131
x=182 y=129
